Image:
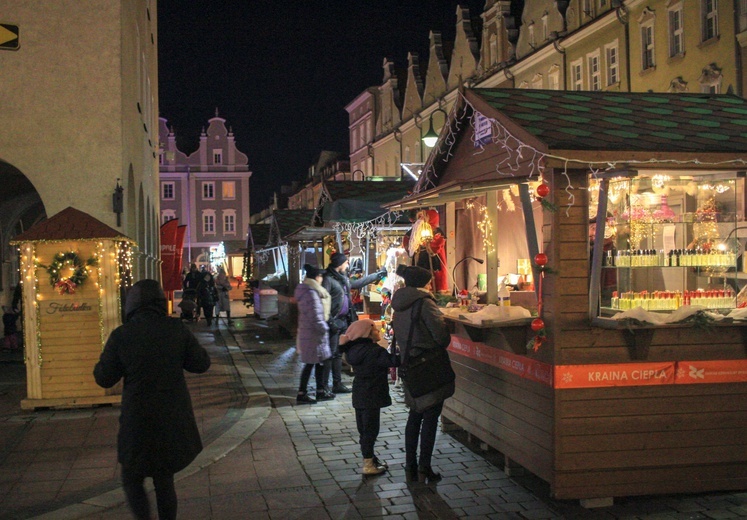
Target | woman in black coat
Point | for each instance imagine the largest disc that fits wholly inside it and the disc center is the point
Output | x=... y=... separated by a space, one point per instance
x=158 y=434
x=371 y=363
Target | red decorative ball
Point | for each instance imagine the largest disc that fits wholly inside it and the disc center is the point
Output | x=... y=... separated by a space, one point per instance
x=540 y=259
x=543 y=190
x=537 y=324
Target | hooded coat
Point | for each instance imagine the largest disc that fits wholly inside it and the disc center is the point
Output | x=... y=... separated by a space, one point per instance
x=312 y=336
x=371 y=364
x=429 y=332
x=338 y=285
x=157 y=428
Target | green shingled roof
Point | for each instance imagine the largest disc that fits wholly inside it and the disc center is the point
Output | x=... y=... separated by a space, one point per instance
x=626 y=121
x=289 y=221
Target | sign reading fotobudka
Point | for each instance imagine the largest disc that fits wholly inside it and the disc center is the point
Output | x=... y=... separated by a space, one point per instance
x=69 y=309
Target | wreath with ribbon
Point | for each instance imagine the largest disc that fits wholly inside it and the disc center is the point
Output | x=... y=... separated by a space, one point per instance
x=67 y=285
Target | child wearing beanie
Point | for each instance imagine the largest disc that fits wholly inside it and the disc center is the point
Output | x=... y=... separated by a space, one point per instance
x=371 y=363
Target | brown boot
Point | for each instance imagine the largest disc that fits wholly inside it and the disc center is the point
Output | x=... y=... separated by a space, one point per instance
x=370 y=468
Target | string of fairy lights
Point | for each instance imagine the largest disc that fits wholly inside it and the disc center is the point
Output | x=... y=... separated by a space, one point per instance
x=120 y=262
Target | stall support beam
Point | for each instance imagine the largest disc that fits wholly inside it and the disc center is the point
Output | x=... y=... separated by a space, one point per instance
x=531 y=231
x=596 y=257
x=492 y=254
x=451 y=241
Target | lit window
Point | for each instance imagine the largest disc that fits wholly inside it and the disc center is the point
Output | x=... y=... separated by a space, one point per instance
x=613 y=66
x=229 y=190
x=167 y=191
x=208 y=190
x=217 y=156
x=710 y=19
x=676 y=32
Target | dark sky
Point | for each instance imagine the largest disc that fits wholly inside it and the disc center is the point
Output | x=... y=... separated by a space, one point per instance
x=281 y=73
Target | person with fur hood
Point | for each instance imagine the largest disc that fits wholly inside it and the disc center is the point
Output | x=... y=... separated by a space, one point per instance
x=415 y=311
x=371 y=363
x=312 y=337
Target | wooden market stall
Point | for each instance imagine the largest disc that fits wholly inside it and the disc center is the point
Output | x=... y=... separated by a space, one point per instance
x=73 y=270
x=596 y=405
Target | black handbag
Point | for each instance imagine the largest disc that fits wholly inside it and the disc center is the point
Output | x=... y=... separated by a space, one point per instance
x=429 y=370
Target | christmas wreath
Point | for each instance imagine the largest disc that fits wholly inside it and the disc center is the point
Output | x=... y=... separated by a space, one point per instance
x=69 y=259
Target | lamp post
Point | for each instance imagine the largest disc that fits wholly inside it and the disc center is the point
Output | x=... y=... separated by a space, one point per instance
x=431 y=137
x=453 y=271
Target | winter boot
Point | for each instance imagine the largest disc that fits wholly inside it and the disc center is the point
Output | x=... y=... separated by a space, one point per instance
x=370 y=468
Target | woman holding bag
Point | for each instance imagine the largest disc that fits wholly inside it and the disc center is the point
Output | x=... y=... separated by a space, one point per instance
x=420 y=331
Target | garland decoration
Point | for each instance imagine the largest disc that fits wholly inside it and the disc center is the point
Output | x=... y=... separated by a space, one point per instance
x=538 y=325
x=69 y=259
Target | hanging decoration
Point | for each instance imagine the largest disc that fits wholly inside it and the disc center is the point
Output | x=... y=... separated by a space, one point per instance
x=538 y=325
x=542 y=191
x=69 y=260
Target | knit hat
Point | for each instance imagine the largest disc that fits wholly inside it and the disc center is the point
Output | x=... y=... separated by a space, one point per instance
x=414 y=276
x=337 y=259
x=312 y=271
x=358 y=329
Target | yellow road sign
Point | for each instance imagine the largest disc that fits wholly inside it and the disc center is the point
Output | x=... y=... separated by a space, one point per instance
x=9 y=37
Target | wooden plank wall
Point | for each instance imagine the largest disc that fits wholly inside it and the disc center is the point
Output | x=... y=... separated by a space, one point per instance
x=624 y=441
x=70 y=341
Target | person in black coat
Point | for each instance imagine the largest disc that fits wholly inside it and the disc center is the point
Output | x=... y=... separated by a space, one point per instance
x=206 y=295
x=370 y=386
x=342 y=314
x=158 y=434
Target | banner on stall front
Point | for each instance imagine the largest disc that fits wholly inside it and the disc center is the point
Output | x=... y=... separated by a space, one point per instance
x=715 y=371
x=618 y=374
x=168 y=253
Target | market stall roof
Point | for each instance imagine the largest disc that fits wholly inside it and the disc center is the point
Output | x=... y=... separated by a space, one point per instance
x=558 y=128
x=359 y=201
x=70 y=224
x=258 y=236
x=295 y=225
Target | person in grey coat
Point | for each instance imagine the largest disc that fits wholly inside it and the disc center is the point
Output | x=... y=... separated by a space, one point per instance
x=312 y=336
x=158 y=434
x=430 y=331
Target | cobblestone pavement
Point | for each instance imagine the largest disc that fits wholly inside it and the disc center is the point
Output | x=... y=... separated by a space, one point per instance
x=267 y=458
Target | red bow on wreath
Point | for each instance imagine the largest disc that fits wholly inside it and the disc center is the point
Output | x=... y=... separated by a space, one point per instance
x=65 y=286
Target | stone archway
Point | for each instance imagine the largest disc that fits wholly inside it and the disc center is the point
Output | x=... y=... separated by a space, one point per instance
x=20 y=208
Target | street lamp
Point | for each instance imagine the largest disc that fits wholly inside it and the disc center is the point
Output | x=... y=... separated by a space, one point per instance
x=431 y=137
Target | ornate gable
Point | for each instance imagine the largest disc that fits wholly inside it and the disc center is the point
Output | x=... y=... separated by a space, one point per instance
x=413 y=95
x=389 y=115
x=466 y=54
x=435 y=77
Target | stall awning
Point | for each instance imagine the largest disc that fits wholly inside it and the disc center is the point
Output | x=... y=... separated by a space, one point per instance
x=451 y=192
x=359 y=201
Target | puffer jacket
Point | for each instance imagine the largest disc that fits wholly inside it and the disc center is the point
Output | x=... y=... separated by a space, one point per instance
x=371 y=364
x=312 y=337
x=157 y=428
x=338 y=285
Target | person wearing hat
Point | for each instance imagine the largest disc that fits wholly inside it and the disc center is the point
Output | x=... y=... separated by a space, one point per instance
x=312 y=337
x=415 y=310
x=371 y=362
x=158 y=434
x=342 y=314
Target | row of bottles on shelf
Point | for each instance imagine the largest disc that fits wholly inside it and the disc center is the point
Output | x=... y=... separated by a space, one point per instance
x=673 y=300
x=675 y=258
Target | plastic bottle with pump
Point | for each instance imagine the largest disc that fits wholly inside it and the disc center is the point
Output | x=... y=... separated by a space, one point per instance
x=504 y=299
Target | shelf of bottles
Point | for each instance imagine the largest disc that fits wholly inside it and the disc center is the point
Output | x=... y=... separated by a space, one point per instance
x=670 y=241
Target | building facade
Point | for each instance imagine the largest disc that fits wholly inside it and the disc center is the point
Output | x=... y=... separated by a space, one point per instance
x=79 y=95
x=208 y=191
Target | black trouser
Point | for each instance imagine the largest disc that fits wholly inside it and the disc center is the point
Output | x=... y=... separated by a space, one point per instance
x=336 y=360
x=207 y=310
x=367 y=420
x=137 y=498
x=321 y=374
x=428 y=420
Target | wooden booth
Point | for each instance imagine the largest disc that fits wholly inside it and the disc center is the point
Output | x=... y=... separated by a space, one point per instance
x=630 y=377
x=73 y=270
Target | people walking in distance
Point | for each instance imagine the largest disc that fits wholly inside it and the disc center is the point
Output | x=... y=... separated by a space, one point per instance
x=158 y=434
x=206 y=294
x=338 y=284
x=312 y=337
x=223 y=286
x=418 y=322
x=189 y=285
x=371 y=363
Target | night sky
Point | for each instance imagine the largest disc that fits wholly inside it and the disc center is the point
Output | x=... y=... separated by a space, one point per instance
x=281 y=73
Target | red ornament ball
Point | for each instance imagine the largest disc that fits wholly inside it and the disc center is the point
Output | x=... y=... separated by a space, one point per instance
x=540 y=259
x=537 y=324
x=543 y=190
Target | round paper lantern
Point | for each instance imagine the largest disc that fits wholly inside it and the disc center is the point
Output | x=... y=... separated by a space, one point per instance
x=543 y=190
x=540 y=259
x=537 y=324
